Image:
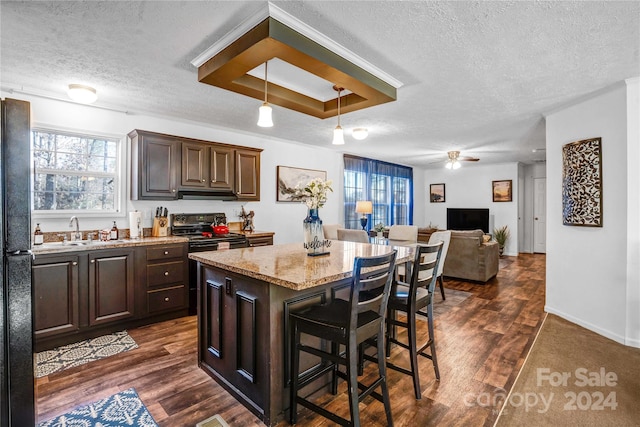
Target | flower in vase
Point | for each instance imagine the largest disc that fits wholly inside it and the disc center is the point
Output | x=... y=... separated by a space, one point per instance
x=314 y=194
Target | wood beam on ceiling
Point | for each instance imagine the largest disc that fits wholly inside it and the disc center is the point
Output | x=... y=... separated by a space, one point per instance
x=272 y=39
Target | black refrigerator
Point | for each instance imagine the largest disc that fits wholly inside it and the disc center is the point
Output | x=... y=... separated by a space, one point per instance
x=17 y=407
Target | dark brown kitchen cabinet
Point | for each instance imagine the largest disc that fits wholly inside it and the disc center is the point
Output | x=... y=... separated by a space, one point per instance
x=155 y=166
x=207 y=166
x=166 y=167
x=166 y=278
x=247 y=174
x=235 y=332
x=111 y=286
x=55 y=295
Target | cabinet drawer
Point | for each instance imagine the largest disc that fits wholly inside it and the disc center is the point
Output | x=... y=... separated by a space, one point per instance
x=166 y=252
x=261 y=241
x=166 y=299
x=165 y=273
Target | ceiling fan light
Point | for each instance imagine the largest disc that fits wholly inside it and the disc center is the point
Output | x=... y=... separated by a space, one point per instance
x=360 y=133
x=264 y=117
x=338 y=136
x=82 y=93
x=456 y=165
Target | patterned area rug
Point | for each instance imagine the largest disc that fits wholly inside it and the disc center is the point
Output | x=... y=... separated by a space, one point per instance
x=121 y=409
x=58 y=359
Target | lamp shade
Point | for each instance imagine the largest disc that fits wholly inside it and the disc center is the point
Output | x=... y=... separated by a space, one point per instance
x=264 y=117
x=338 y=136
x=364 y=207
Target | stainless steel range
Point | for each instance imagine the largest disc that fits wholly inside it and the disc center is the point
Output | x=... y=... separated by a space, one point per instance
x=198 y=228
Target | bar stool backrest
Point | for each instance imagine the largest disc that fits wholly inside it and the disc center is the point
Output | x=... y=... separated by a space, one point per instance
x=372 y=278
x=424 y=266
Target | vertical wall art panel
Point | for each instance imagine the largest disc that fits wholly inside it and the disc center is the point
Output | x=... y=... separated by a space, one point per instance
x=582 y=183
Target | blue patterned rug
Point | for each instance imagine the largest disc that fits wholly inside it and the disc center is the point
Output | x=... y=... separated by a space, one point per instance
x=121 y=409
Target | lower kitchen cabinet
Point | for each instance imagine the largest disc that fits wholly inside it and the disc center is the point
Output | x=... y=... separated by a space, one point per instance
x=85 y=294
x=111 y=286
x=55 y=295
x=166 y=278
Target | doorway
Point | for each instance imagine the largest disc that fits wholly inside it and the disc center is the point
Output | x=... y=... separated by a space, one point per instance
x=540 y=215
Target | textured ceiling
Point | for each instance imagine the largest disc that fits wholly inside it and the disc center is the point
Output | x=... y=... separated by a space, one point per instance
x=477 y=76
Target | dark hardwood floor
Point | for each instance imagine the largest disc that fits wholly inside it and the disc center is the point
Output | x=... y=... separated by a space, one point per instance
x=483 y=334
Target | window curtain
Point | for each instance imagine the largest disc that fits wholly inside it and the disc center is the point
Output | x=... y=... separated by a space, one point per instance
x=389 y=186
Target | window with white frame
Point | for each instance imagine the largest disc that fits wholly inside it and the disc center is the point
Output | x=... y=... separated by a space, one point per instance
x=75 y=173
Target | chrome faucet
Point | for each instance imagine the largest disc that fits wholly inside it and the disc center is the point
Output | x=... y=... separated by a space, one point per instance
x=77 y=235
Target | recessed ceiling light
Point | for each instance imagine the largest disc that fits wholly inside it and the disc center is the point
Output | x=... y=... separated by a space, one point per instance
x=82 y=93
x=360 y=133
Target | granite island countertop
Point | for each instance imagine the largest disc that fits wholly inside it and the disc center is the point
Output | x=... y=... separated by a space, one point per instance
x=84 y=245
x=289 y=266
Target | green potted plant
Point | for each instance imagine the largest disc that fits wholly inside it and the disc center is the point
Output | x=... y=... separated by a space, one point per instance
x=501 y=235
x=379 y=229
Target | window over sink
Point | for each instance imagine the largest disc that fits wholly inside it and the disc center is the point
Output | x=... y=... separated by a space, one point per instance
x=76 y=173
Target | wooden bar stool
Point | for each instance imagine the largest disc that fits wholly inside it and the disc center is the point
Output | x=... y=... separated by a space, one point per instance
x=413 y=298
x=346 y=323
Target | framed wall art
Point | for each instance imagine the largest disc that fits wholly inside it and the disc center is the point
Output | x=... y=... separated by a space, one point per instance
x=290 y=177
x=582 y=183
x=502 y=191
x=436 y=193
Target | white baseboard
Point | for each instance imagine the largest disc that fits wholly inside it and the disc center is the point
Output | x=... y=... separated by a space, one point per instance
x=590 y=326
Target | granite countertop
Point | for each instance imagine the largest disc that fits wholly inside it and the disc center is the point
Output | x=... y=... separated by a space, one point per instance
x=289 y=266
x=60 y=247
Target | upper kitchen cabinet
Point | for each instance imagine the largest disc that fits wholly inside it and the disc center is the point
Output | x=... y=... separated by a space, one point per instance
x=155 y=166
x=248 y=174
x=166 y=167
x=206 y=165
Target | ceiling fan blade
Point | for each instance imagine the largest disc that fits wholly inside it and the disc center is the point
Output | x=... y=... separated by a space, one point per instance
x=468 y=159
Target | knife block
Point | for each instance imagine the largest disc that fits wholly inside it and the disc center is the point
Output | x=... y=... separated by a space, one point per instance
x=160 y=227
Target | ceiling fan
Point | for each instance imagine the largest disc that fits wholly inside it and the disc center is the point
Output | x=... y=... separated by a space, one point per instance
x=455 y=158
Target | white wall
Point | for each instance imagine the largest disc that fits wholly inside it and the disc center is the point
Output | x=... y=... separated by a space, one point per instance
x=471 y=187
x=588 y=274
x=285 y=219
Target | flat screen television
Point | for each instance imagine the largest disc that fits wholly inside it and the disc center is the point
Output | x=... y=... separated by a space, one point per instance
x=468 y=219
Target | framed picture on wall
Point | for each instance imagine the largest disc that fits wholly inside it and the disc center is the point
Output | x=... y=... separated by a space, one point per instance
x=502 y=191
x=289 y=178
x=436 y=193
x=582 y=183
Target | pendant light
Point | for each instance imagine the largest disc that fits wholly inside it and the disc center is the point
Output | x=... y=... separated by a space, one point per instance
x=338 y=134
x=264 y=117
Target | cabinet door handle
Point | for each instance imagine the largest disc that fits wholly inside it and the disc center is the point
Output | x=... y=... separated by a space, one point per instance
x=166 y=273
x=173 y=190
x=166 y=299
x=203 y=180
x=93 y=261
x=166 y=252
x=74 y=263
x=213 y=180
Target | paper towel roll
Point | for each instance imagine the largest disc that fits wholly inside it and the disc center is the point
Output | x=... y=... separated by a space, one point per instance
x=135 y=224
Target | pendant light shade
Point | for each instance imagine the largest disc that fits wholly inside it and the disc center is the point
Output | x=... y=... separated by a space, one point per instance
x=338 y=136
x=264 y=117
x=338 y=133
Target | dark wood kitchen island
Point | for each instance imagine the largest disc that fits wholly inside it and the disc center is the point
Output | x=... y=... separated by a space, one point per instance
x=244 y=297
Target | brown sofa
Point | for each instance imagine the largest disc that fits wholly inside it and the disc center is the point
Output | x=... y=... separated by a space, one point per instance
x=468 y=257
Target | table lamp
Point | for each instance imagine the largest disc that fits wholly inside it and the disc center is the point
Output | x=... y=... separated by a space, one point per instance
x=364 y=207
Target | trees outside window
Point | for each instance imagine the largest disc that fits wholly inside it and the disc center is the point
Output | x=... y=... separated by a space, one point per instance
x=75 y=172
